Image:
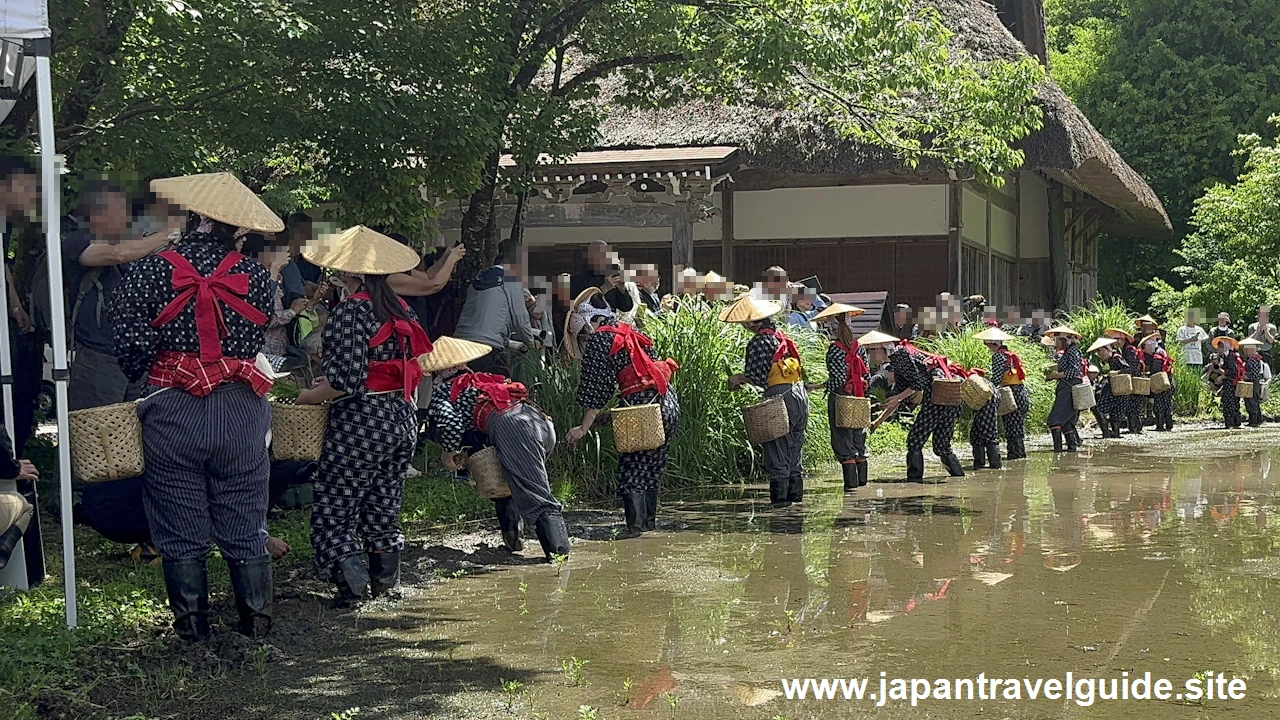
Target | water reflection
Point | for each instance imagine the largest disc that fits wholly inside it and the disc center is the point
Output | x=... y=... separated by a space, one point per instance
x=1096 y=564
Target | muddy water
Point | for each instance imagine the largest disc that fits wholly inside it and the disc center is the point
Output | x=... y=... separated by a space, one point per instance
x=1098 y=564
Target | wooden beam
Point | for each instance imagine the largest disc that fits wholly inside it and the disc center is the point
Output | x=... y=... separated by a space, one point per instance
x=955 y=199
x=681 y=240
x=726 y=229
x=752 y=179
x=987 y=292
x=1059 y=262
x=1016 y=295
x=575 y=215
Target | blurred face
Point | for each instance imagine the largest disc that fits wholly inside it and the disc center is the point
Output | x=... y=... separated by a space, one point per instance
x=1264 y=313
x=1191 y=319
x=598 y=256
x=776 y=284
x=649 y=280
x=1223 y=319
x=109 y=216
x=878 y=355
x=900 y=317
x=804 y=302
x=349 y=281
x=23 y=192
x=993 y=346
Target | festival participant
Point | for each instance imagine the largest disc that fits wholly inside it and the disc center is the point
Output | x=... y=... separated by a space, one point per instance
x=1233 y=372
x=848 y=370
x=1007 y=371
x=1159 y=360
x=911 y=375
x=521 y=434
x=1137 y=362
x=191 y=320
x=1251 y=349
x=1070 y=369
x=1112 y=408
x=773 y=364
x=619 y=357
x=371 y=340
x=1098 y=418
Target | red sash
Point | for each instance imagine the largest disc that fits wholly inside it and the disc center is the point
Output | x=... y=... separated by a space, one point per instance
x=949 y=369
x=786 y=347
x=856 y=382
x=403 y=373
x=495 y=394
x=209 y=294
x=186 y=371
x=1015 y=362
x=1238 y=362
x=1166 y=362
x=644 y=373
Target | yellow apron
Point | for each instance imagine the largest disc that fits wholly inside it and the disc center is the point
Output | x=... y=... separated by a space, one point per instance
x=784 y=372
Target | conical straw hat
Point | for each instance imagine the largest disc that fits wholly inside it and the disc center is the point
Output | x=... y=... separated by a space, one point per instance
x=993 y=334
x=450 y=352
x=875 y=337
x=1101 y=343
x=221 y=197
x=1224 y=339
x=1251 y=342
x=361 y=251
x=1117 y=333
x=1048 y=341
x=1145 y=319
x=839 y=309
x=1062 y=330
x=749 y=309
x=1154 y=336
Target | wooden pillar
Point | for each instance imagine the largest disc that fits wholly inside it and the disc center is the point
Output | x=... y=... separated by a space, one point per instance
x=726 y=230
x=681 y=239
x=1015 y=294
x=1059 y=262
x=955 y=199
x=989 y=292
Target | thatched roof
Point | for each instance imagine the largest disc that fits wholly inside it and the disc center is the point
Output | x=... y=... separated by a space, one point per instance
x=1067 y=149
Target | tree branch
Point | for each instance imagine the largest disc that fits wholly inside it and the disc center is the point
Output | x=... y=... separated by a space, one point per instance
x=76 y=134
x=553 y=33
x=601 y=69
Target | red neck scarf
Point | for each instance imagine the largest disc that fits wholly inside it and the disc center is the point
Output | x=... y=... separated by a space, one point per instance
x=1015 y=362
x=856 y=382
x=786 y=348
x=948 y=368
x=209 y=294
x=636 y=344
x=404 y=372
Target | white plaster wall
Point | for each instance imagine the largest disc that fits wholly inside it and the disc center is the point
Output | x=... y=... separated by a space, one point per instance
x=1035 y=216
x=1003 y=228
x=838 y=212
x=974 y=217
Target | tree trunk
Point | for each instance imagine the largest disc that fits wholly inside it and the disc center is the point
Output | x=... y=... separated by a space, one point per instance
x=479 y=225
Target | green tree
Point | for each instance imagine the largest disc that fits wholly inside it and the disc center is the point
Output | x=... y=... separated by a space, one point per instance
x=1171 y=83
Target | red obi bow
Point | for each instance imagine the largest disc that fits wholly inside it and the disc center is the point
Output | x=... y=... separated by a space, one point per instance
x=210 y=293
x=647 y=370
x=496 y=395
x=403 y=373
x=856 y=382
x=786 y=347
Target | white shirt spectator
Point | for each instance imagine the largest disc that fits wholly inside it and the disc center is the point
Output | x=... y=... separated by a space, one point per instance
x=1192 y=353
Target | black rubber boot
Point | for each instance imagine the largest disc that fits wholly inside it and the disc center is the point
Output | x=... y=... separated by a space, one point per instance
x=1115 y=429
x=979 y=457
x=8 y=541
x=351 y=578
x=795 y=489
x=863 y=469
x=633 y=511
x=993 y=455
x=1016 y=450
x=850 y=472
x=552 y=535
x=1135 y=424
x=510 y=524
x=253 y=587
x=954 y=468
x=1073 y=440
x=915 y=465
x=778 y=491
x=187 y=582
x=651 y=509
x=384 y=573
x=1057 y=439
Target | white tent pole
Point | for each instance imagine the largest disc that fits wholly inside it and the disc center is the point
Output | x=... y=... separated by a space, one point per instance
x=6 y=360
x=52 y=229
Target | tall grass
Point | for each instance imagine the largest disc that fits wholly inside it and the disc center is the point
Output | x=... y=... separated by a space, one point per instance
x=1092 y=320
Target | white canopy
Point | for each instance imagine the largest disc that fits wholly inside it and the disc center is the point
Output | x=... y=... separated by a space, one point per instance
x=24 y=19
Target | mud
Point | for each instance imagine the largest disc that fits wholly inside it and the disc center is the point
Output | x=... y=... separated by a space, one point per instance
x=1153 y=555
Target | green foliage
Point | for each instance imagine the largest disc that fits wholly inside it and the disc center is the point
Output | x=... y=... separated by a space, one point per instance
x=1092 y=320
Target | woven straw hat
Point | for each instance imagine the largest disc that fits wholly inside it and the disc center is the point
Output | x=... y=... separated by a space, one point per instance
x=1117 y=333
x=1152 y=336
x=450 y=352
x=1048 y=341
x=1101 y=343
x=1225 y=340
x=1251 y=342
x=1062 y=330
x=835 y=309
x=993 y=334
x=361 y=251
x=749 y=309
x=875 y=337
x=221 y=197
x=1145 y=319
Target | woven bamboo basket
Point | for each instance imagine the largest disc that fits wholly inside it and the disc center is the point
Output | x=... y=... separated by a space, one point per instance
x=1121 y=384
x=1082 y=397
x=1160 y=383
x=1008 y=403
x=917 y=397
x=766 y=421
x=946 y=392
x=853 y=413
x=1244 y=390
x=976 y=391
x=486 y=471
x=1141 y=385
x=106 y=442
x=297 y=431
x=638 y=428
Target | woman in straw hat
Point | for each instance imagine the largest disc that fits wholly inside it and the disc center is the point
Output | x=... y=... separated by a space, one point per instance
x=773 y=363
x=1159 y=360
x=521 y=434
x=619 y=357
x=1233 y=373
x=1137 y=362
x=371 y=342
x=848 y=373
x=1069 y=372
x=191 y=320
x=1249 y=348
x=912 y=374
x=1006 y=371
x=1111 y=407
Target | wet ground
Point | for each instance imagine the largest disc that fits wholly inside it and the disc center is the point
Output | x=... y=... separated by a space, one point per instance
x=1159 y=558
